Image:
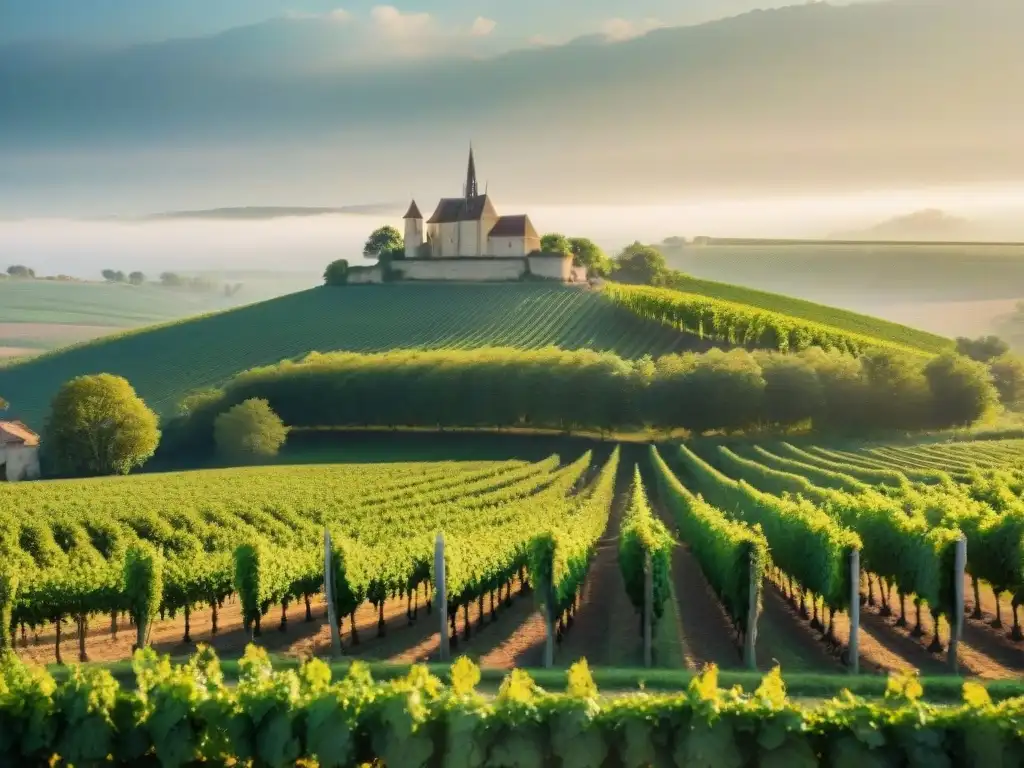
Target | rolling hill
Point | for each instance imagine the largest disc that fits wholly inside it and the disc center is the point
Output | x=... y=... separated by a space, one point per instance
x=166 y=362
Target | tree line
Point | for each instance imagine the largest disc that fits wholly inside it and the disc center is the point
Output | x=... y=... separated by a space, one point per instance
x=550 y=388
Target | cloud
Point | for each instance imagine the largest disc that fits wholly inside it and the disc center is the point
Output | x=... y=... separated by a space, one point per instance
x=482 y=27
x=393 y=23
x=618 y=29
x=339 y=14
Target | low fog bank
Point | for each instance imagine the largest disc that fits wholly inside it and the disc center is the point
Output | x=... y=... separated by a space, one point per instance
x=950 y=293
x=82 y=248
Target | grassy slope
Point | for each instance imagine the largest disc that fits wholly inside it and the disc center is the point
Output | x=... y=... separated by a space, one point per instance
x=819 y=313
x=166 y=362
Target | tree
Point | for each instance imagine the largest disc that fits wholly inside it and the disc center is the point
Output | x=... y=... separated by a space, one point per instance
x=984 y=349
x=251 y=430
x=555 y=243
x=961 y=389
x=19 y=270
x=1008 y=377
x=586 y=253
x=384 y=241
x=336 y=273
x=639 y=263
x=136 y=278
x=98 y=425
x=171 y=280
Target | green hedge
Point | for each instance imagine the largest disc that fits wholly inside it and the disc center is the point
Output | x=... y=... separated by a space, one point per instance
x=185 y=715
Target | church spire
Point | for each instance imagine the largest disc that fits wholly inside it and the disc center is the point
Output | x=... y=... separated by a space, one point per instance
x=471 y=187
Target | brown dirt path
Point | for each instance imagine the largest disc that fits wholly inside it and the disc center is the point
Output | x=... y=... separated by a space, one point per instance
x=301 y=639
x=606 y=630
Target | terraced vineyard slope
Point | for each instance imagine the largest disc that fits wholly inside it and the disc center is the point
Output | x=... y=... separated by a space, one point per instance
x=164 y=363
x=840 y=319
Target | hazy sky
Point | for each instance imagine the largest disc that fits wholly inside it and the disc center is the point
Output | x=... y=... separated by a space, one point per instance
x=121 y=21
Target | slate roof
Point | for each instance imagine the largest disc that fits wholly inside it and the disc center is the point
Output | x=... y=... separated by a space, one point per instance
x=413 y=212
x=452 y=209
x=513 y=226
x=16 y=433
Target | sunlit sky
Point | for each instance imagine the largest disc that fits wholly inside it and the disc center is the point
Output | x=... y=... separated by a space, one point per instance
x=125 y=21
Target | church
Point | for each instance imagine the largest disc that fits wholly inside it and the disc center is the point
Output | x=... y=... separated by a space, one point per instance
x=466 y=239
x=468 y=227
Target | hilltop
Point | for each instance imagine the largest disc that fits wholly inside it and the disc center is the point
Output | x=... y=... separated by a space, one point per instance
x=166 y=362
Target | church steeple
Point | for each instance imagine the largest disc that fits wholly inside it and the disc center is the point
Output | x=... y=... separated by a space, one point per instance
x=471 y=186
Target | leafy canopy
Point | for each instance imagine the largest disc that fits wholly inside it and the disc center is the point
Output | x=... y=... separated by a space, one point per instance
x=384 y=241
x=554 y=242
x=639 y=263
x=250 y=430
x=336 y=273
x=99 y=426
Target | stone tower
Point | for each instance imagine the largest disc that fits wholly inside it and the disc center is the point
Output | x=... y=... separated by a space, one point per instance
x=413 y=231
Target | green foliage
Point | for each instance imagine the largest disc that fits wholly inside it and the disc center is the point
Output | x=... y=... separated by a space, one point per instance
x=186 y=714
x=558 y=555
x=640 y=264
x=841 y=319
x=586 y=253
x=806 y=543
x=384 y=241
x=644 y=536
x=165 y=363
x=555 y=243
x=962 y=389
x=984 y=349
x=739 y=324
x=99 y=426
x=143 y=587
x=8 y=593
x=198 y=520
x=732 y=555
x=536 y=389
x=249 y=431
x=336 y=273
x=1008 y=378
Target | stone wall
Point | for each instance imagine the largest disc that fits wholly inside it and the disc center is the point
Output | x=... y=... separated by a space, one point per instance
x=479 y=270
x=552 y=267
x=19 y=462
x=365 y=275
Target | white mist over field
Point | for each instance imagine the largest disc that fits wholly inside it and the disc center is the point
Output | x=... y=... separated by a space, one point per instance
x=81 y=248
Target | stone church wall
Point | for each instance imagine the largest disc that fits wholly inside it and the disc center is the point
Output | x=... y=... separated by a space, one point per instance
x=365 y=276
x=551 y=267
x=468 y=270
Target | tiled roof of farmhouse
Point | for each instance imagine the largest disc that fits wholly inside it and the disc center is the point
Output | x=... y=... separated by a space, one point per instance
x=452 y=209
x=513 y=226
x=413 y=212
x=15 y=433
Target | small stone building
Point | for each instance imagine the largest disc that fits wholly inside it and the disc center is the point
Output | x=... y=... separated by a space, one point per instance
x=19 y=452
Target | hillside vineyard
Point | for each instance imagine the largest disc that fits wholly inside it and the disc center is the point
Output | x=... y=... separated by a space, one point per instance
x=165 y=363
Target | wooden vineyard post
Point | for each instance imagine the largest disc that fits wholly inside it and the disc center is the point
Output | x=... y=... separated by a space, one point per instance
x=854 y=646
x=956 y=620
x=549 y=626
x=441 y=594
x=753 y=611
x=648 y=612
x=332 y=617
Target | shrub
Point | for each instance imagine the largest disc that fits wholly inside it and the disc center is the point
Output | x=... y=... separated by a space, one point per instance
x=249 y=431
x=336 y=273
x=961 y=389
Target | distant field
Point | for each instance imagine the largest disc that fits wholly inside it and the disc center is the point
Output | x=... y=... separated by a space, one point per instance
x=865 y=277
x=167 y=362
x=40 y=315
